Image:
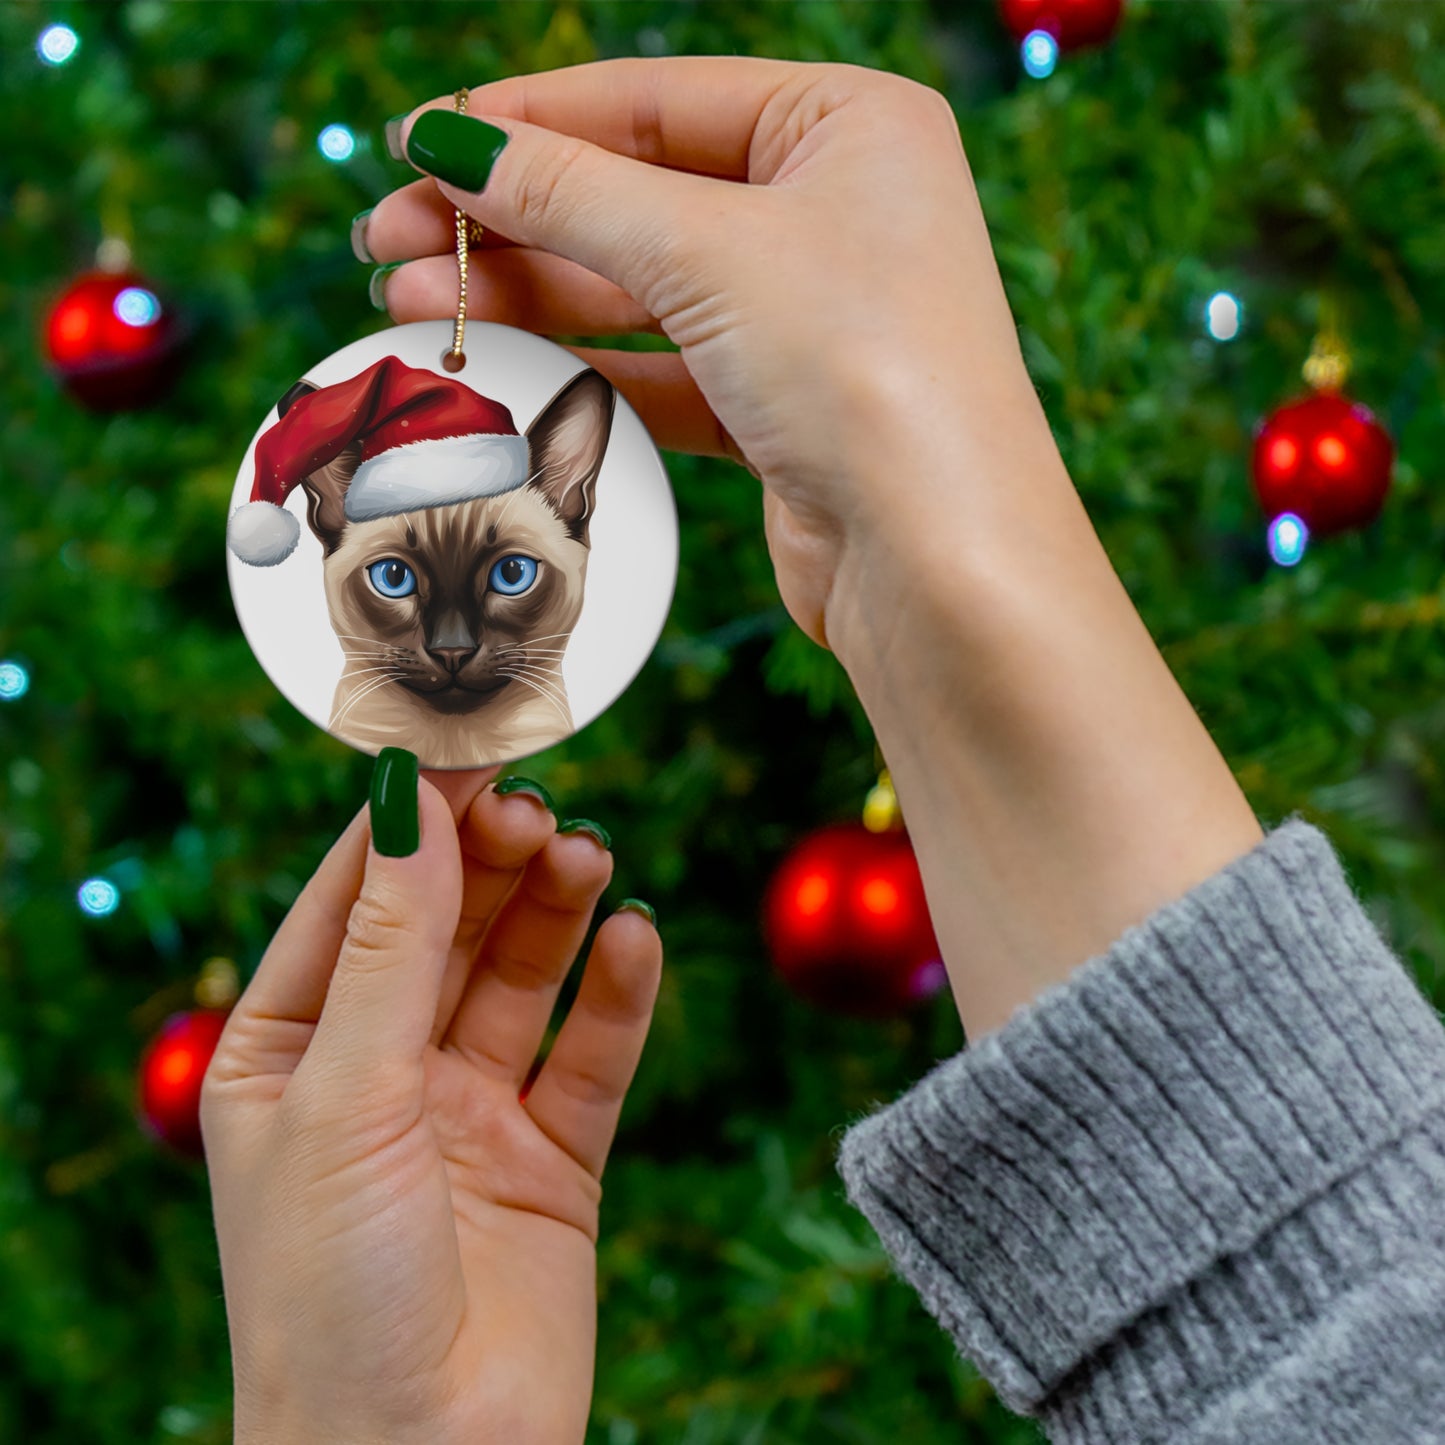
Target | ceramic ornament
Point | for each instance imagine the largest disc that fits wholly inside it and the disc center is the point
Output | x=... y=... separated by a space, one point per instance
x=470 y=564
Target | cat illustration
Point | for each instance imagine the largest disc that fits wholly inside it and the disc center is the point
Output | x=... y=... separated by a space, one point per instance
x=455 y=552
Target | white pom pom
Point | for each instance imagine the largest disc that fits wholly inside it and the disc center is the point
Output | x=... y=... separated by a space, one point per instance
x=262 y=533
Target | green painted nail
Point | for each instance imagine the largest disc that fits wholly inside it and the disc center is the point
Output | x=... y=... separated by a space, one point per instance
x=515 y=784
x=455 y=148
x=586 y=825
x=636 y=905
x=376 y=288
x=359 y=248
x=395 y=824
x=392 y=132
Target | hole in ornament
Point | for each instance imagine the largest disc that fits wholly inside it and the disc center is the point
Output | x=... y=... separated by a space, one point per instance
x=453 y=360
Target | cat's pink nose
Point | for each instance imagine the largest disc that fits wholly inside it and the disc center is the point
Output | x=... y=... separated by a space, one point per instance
x=452 y=658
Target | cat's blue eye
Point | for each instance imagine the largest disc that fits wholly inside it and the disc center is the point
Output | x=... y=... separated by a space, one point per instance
x=512 y=575
x=392 y=578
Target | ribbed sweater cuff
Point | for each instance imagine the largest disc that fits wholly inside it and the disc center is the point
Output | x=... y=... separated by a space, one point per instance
x=1169 y=1151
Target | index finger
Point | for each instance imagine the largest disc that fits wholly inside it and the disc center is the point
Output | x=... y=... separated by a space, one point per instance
x=695 y=113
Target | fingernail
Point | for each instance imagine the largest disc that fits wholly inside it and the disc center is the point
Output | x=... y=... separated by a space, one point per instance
x=395 y=824
x=359 y=248
x=455 y=148
x=636 y=905
x=376 y=288
x=586 y=825
x=515 y=784
x=393 y=136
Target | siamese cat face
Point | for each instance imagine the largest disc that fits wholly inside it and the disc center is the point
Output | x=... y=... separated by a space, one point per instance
x=457 y=603
x=453 y=619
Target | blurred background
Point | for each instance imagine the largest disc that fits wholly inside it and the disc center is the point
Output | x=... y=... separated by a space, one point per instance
x=1187 y=208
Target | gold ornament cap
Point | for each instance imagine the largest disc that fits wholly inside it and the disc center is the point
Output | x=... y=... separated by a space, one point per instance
x=881 y=813
x=1328 y=365
x=219 y=985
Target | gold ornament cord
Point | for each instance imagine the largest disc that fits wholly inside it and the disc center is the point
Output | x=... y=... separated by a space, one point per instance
x=469 y=233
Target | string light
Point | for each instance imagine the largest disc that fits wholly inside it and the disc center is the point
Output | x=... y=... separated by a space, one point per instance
x=336 y=143
x=14 y=681
x=57 y=44
x=1288 y=537
x=1223 y=316
x=1040 y=52
x=98 y=897
x=137 y=307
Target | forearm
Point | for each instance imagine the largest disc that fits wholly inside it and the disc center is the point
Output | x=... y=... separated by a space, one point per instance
x=1057 y=784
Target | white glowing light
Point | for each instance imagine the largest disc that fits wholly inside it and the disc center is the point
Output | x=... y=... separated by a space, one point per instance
x=14 y=681
x=57 y=44
x=336 y=143
x=1040 y=53
x=1288 y=537
x=1223 y=316
x=98 y=897
x=137 y=307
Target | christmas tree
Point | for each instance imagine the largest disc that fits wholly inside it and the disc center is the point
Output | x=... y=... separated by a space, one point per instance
x=1212 y=161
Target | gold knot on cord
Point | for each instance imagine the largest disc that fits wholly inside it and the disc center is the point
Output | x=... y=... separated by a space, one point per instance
x=469 y=234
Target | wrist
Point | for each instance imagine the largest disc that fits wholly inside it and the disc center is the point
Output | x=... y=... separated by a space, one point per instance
x=1057 y=784
x=946 y=518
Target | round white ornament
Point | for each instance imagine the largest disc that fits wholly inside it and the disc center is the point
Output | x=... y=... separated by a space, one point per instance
x=471 y=565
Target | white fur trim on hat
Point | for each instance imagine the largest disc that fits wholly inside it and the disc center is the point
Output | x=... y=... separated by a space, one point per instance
x=434 y=473
x=262 y=533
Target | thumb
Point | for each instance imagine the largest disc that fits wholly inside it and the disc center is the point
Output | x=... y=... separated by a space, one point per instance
x=382 y=1000
x=634 y=224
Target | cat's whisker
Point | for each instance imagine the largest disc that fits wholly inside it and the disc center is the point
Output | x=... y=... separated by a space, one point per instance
x=517 y=677
x=545 y=637
x=540 y=681
x=365 y=690
x=363 y=671
x=535 y=669
x=538 y=674
x=340 y=719
x=389 y=674
x=542 y=669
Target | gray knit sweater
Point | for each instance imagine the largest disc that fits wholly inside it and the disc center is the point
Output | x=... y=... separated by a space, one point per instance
x=1196 y=1192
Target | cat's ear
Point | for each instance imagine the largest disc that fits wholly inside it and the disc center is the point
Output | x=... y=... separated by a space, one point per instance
x=326 y=488
x=567 y=442
x=302 y=388
x=325 y=492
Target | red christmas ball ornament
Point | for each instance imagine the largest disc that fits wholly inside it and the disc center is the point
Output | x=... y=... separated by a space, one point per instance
x=1073 y=23
x=847 y=924
x=171 y=1071
x=112 y=341
x=1326 y=459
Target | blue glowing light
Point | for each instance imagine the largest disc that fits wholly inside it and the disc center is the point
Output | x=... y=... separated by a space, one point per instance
x=1223 y=316
x=137 y=307
x=1040 y=53
x=98 y=897
x=1288 y=537
x=57 y=44
x=14 y=681
x=336 y=143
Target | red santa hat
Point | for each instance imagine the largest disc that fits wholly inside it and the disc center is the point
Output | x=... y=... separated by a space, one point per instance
x=426 y=441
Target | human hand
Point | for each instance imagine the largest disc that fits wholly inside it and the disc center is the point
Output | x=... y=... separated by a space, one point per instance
x=408 y=1247
x=810 y=237
x=842 y=304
